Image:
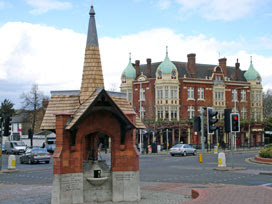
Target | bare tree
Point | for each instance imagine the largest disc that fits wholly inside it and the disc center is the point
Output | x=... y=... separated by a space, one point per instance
x=267 y=103
x=113 y=87
x=32 y=102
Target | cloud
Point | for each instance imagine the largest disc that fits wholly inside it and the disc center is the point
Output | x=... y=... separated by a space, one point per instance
x=43 y=6
x=4 y=5
x=53 y=58
x=226 y=10
x=164 y=4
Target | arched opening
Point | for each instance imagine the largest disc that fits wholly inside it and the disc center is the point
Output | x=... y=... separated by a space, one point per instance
x=97 y=147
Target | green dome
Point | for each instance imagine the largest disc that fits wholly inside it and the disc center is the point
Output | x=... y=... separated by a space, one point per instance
x=251 y=73
x=167 y=66
x=129 y=71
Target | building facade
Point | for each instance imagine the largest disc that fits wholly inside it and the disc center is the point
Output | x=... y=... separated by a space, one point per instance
x=168 y=94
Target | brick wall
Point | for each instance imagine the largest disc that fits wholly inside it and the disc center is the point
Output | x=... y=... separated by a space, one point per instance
x=69 y=159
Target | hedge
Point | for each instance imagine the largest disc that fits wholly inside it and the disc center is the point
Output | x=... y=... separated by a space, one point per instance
x=266 y=152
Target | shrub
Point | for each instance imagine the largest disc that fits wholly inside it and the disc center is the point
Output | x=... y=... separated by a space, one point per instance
x=266 y=152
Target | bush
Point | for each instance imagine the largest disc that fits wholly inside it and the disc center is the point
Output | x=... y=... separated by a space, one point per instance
x=266 y=152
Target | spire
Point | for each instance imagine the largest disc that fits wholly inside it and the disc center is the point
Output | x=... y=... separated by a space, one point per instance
x=92 y=39
x=92 y=76
x=167 y=51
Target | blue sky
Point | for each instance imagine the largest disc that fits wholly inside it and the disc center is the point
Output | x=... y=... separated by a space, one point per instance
x=42 y=41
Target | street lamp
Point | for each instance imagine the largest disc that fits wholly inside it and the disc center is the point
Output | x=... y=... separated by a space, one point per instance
x=235 y=100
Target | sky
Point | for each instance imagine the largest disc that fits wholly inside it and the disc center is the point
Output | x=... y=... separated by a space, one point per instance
x=43 y=41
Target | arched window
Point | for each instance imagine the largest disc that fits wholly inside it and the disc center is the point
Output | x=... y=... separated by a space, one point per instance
x=159 y=74
x=124 y=78
x=174 y=74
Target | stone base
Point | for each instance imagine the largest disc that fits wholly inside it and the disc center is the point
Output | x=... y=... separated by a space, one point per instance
x=125 y=186
x=78 y=188
x=67 y=188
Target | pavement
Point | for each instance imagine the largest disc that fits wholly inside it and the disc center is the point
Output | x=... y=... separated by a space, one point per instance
x=154 y=193
x=158 y=193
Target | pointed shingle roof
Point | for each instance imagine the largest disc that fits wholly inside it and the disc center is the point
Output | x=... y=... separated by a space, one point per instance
x=92 y=76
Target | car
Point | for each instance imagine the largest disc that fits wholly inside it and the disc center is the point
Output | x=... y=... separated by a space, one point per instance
x=35 y=155
x=3 y=148
x=50 y=147
x=182 y=149
x=15 y=147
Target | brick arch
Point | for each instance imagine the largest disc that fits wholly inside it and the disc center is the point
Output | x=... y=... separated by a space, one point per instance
x=123 y=156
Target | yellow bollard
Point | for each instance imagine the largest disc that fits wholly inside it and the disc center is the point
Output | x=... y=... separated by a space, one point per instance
x=200 y=158
x=219 y=161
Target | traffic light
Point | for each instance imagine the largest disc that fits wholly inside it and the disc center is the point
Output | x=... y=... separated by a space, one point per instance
x=227 y=113
x=7 y=124
x=211 y=120
x=234 y=122
x=197 y=123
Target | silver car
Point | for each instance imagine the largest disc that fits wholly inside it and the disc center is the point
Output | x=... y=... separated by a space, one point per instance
x=35 y=155
x=182 y=149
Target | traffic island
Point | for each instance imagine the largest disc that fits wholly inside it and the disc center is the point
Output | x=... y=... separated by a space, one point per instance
x=229 y=169
x=260 y=160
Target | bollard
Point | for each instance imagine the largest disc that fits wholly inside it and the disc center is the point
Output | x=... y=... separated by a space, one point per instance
x=200 y=159
x=11 y=162
x=221 y=160
x=215 y=149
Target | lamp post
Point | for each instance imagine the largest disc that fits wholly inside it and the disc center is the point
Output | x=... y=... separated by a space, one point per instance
x=141 y=134
x=235 y=100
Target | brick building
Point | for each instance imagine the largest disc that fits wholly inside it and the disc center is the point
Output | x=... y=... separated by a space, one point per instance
x=171 y=93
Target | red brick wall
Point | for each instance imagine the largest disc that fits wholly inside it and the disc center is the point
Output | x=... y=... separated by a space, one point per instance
x=69 y=159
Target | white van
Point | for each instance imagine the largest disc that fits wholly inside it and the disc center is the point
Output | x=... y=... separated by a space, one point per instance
x=15 y=147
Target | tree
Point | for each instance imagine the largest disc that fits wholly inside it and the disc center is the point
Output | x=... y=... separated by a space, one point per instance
x=267 y=103
x=32 y=102
x=7 y=108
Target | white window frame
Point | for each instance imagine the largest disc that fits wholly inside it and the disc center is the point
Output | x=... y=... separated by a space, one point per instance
x=200 y=93
x=190 y=93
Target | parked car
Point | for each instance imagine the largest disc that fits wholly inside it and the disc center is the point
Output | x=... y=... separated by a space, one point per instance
x=50 y=147
x=182 y=149
x=3 y=148
x=15 y=147
x=35 y=155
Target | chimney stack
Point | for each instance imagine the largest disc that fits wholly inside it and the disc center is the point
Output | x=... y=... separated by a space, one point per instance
x=137 y=67
x=223 y=65
x=237 y=70
x=148 y=61
x=191 y=64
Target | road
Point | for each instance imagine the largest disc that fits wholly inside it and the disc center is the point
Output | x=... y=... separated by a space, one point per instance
x=163 y=168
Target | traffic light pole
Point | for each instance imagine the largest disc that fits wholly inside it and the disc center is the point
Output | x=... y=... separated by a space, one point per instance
x=202 y=141
x=1 y=142
x=231 y=146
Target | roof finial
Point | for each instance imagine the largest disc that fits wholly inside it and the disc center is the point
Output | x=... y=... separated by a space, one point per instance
x=250 y=59
x=166 y=50
x=92 y=3
x=130 y=57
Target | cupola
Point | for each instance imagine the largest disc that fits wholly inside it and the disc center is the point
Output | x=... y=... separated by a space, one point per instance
x=251 y=73
x=129 y=71
x=167 y=67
